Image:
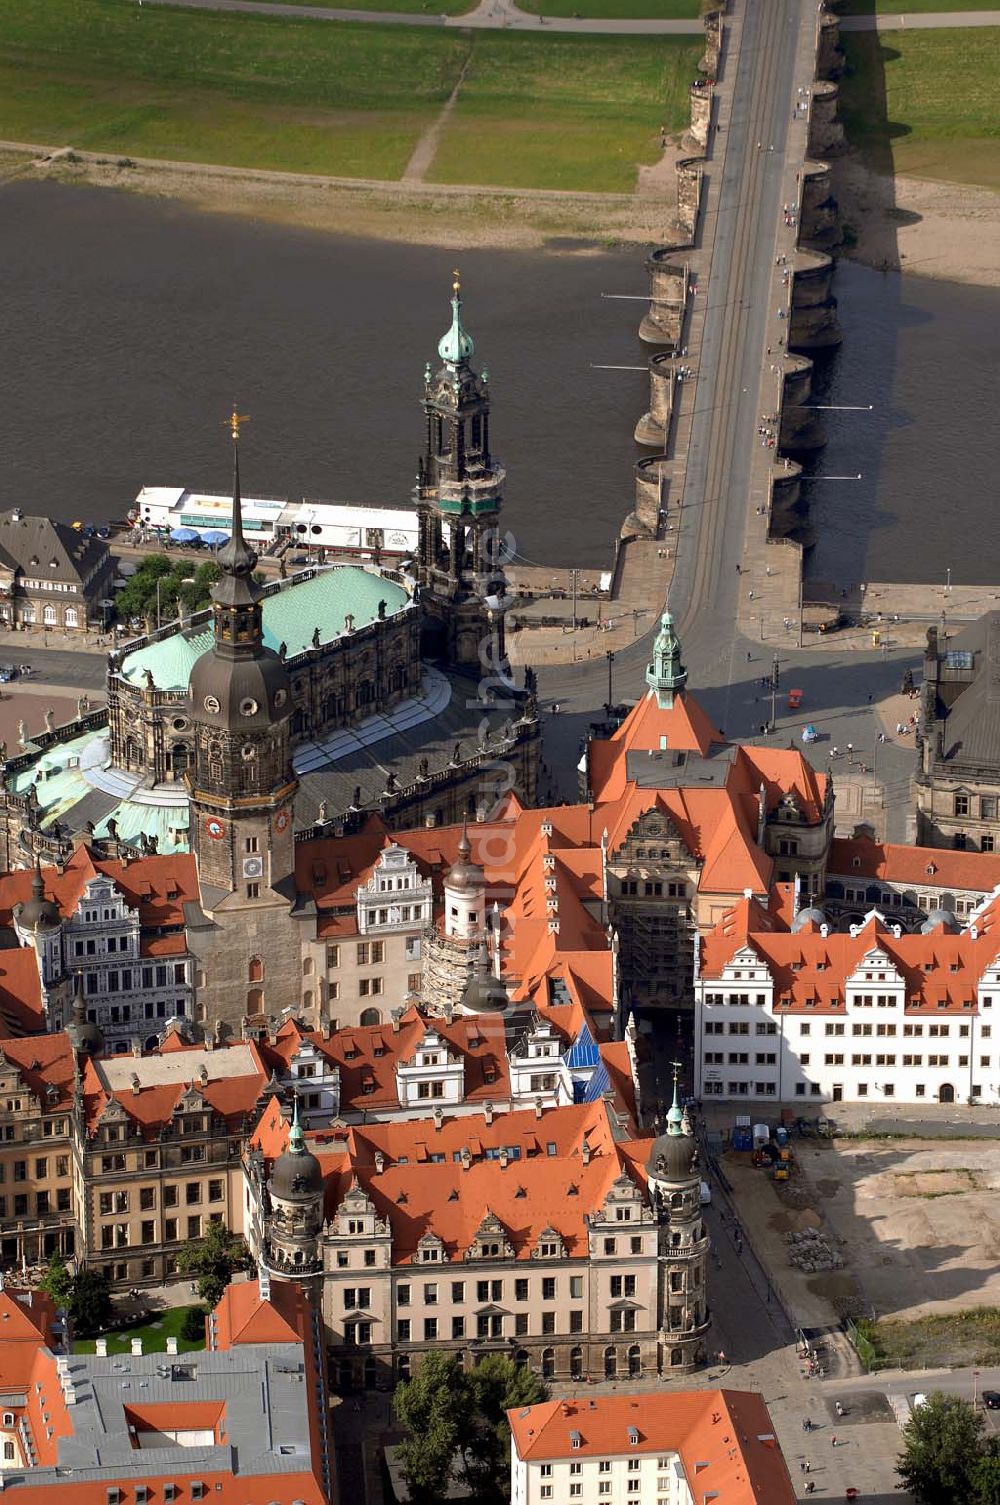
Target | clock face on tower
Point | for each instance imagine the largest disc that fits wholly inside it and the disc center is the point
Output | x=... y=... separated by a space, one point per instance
x=215 y=828
x=281 y=820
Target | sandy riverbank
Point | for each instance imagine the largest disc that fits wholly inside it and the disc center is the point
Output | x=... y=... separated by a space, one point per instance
x=453 y=218
x=945 y=230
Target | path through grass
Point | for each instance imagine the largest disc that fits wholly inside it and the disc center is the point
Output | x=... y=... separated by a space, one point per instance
x=344 y=100
x=568 y=112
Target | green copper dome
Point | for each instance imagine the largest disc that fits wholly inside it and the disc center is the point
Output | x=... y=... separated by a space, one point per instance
x=456 y=346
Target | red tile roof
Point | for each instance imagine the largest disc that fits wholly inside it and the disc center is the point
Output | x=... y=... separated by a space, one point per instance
x=158 y=887
x=419 y=1193
x=921 y=866
x=725 y=1438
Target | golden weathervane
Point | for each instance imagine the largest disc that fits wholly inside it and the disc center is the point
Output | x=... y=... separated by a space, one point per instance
x=234 y=420
x=456 y=286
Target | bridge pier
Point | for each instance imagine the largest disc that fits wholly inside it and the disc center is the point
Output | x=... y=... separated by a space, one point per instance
x=654 y=425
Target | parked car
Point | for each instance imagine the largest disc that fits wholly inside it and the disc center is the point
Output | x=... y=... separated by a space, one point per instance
x=7 y=673
x=991 y=1400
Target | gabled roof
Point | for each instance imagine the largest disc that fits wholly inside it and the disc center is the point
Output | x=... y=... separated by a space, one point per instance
x=938 y=867
x=424 y=1188
x=245 y=1316
x=158 y=887
x=725 y=1438
x=685 y=727
x=46 y=550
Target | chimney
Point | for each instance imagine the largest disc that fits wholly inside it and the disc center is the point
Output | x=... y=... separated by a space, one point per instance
x=136 y=1348
x=100 y=1348
x=488 y=1114
x=379 y=1162
x=585 y=1152
x=538 y=1107
x=448 y=1010
x=203 y=1075
x=438 y=1119
x=136 y=1085
x=397 y=1014
x=171 y=1345
x=136 y=1048
x=504 y=1159
x=466 y=1158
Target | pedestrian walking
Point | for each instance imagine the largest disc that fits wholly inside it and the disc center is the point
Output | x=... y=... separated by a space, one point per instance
x=749 y=655
x=833 y=1440
x=751 y=593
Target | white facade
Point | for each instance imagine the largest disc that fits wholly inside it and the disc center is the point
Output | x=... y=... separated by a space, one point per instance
x=871 y=1045
x=353 y=530
x=616 y=1479
x=396 y=897
x=131 y=998
x=538 y=1072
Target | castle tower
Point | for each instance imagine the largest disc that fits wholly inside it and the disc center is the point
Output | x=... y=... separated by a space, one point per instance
x=459 y=496
x=241 y=780
x=666 y=674
x=294 y=1221
x=675 y=1180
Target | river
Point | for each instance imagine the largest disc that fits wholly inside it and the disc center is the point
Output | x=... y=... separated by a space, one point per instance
x=131 y=324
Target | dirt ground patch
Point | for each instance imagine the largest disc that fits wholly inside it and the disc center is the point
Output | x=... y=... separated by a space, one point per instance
x=941 y=1183
x=916 y=1222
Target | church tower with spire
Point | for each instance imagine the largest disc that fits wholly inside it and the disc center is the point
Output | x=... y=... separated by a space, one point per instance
x=666 y=674
x=241 y=780
x=674 y=1179
x=459 y=496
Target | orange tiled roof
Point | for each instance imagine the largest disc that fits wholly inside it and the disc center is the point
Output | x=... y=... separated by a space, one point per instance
x=646 y=728
x=863 y=857
x=724 y=1437
x=158 y=887
x=420 y=1193
x=939 y=970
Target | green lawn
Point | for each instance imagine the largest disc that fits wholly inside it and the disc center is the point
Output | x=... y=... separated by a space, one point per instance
x=431 y=7
x=912 y=7
x=568 y=112
x=925 y=103
x=636 y=10
x=243 y=90
x=347 y=100
x=154 y=1335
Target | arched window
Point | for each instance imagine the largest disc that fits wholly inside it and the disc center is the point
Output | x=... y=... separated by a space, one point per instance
x=634 y=1362
x=307 y=999
x=576 y=1363
x=610 y=1363
x=676 y=1358
x=364 y=694
x=255 y=971
x=403 y=1367
x=255 y=1000
x=180 y=757
x=370 y=1016
x=72 y=617
x=548 y=1363
x=521 y=1358
x=49 y=616
x=308 y=966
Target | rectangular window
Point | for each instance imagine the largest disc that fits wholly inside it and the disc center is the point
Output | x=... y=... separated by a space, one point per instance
x=548 y=1288
x=458 y=1327
x=548 y=1323
x=403 y=1330
x=403 y=1295
x=458 y=1291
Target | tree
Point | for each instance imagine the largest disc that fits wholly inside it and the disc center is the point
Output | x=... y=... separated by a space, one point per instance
x=214 y=1259
x=57 y=1282
x=182 y=588
x=497 y=1386
x=986 y=1475
x=435 y=1407
x=941 y=1450
x=89 y=1302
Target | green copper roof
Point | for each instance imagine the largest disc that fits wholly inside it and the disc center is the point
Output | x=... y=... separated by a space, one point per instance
x=290 y=616
x=455 y=346
x=168 y=823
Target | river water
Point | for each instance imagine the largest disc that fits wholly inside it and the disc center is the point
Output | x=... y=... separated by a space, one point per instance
x=130 y=325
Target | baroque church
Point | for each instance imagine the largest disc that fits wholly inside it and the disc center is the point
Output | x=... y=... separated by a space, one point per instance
x=211 y=728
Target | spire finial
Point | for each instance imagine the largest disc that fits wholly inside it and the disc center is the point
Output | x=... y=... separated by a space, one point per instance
x=666 y=674
x=234 y=421
x=235 y=556
x=675 y=1117
x=456 y=346
x=296 y=1139
x=38 y=882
